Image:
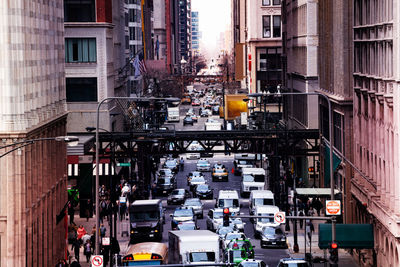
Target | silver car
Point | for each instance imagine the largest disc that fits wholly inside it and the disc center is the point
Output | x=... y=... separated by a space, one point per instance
x=196 y=205
x=203 y=165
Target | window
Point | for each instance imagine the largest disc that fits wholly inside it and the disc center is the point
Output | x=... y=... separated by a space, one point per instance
x=80 y=50
x=338 y=130
x=277 y=26
x=132 y=35
x=266 y=26
x=81 y=89
x=266 y=2
x=276 y=2
x=79 y=11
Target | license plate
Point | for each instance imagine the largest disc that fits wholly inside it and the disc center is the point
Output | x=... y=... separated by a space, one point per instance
x=164 y=192
x=151 y=235
x=273 y=243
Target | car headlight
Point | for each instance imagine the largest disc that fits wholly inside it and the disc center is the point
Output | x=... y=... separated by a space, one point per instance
x=283 y=239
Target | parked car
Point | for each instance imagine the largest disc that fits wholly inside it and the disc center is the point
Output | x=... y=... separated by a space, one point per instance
x=180 y=215
x=273 y=237
x=188 y=120
x=203 y=191
x=196 y=205
x=178 y=196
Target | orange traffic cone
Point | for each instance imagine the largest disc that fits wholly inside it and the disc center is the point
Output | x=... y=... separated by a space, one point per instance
x=233 y=170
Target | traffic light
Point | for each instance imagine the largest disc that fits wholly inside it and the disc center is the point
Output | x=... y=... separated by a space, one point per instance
x=334 y=255
x=310 y=169
x=226 y=217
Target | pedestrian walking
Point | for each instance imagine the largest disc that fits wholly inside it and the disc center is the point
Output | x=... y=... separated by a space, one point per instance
x=182 y=164
x=301 y=213
x=103 y=230
x=87 y=210
x=71 y=213
x=76 y=247
x=317 y=206
x=87 y=250
x=103 y=210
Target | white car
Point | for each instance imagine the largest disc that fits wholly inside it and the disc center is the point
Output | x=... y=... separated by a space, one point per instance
x=203 y=165
x=230 y=236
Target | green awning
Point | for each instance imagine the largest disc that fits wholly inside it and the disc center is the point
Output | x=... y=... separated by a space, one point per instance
x=317 y=192
x=359 y=236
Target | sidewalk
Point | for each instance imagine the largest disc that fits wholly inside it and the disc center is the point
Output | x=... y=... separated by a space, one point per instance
x=88 y=225
x=345 y=259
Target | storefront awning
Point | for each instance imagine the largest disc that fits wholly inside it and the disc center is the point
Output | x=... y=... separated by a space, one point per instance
x=315 y=191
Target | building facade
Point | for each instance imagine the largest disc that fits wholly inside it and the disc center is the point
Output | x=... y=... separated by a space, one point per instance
x=196 y=35
x=300 y=25
x=185 y=30
x=376 y=193
x=32 y=95
x=96 y=48
x=160 y=46
x=335 y=64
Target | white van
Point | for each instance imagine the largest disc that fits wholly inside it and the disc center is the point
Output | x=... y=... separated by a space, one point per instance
x=228 y=199
x=252 y=179
x=260 y=198
x=260 y=223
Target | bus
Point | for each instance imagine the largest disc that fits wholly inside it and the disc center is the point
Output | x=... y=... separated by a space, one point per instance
x=146 y=253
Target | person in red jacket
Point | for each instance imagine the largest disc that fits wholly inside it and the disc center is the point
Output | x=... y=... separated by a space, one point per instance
x=81 y=232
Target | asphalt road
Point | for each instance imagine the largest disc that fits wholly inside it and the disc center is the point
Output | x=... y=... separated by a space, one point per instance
x=270 y=256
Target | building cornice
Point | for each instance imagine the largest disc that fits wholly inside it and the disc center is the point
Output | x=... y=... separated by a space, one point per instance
x=302 y=77
x=336 y=98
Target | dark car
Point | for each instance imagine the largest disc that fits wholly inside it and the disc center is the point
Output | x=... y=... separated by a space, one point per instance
x=178 y=196
x=273 y=237
x=182 y=214
x=215 y=110
x=164 y=185
x=203 y=191
x=188 y=120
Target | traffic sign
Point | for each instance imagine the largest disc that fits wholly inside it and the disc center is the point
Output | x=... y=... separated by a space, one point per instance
x=333 y=207
x=123 y=164
x=279 y=217
x=96 y=260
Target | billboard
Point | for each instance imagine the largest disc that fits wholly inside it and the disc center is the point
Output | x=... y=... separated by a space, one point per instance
x=234 y=106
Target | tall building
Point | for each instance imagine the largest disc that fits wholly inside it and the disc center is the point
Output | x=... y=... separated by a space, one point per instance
x=300 y=27
x=160 y=45
x=376 y=193
x=196 y=35
x=32 y=95
x=185 y=29
x=96 y=48
x=257 y=37
x=335 y=64
x=172 y=36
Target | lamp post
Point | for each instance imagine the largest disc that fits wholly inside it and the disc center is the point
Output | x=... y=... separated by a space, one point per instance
x=330 y=147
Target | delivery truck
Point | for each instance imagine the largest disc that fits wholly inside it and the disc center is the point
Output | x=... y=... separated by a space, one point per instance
x=173 y=114
x=193 y=246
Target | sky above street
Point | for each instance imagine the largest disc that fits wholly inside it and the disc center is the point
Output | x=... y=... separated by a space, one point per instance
x=214 y=18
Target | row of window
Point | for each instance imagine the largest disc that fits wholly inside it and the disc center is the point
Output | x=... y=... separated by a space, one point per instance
x=276 y=29
x=269 y=2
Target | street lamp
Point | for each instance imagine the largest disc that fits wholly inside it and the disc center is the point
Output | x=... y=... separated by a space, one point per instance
x=70 y=140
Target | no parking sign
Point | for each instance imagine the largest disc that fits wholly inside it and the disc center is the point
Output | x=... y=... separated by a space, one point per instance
x=96 y=261
x=279 y=217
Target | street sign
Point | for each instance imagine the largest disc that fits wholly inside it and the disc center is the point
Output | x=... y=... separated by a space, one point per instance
x=279 y=217
x=123 y=164
x=332 y=207
x=96 y=260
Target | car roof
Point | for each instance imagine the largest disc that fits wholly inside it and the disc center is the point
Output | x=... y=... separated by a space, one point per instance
x=267 y=209
x=293 y=260
x=262 y=194
x=233 y=194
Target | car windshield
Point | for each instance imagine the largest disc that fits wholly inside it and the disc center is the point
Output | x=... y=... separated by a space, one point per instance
x=248 y=178
x=227 y=203
x=192 y=202
x=183 y=213
x=238 y=253
x=225 y=230
x=187 y=226
x=202 y=162
x=197 y=180
x=197 y=174
x=165 y=172
x=263 y=201
x=144 y=216
x=217 y=214
x=269 y=231
x=243 y=162
x=248 y=264
x=170 y=163
x=202 y=187
x=265 y=220
x=201 y=256
x=300 y=264
x=259 y=178
x=178 y=192
x=233 y=236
